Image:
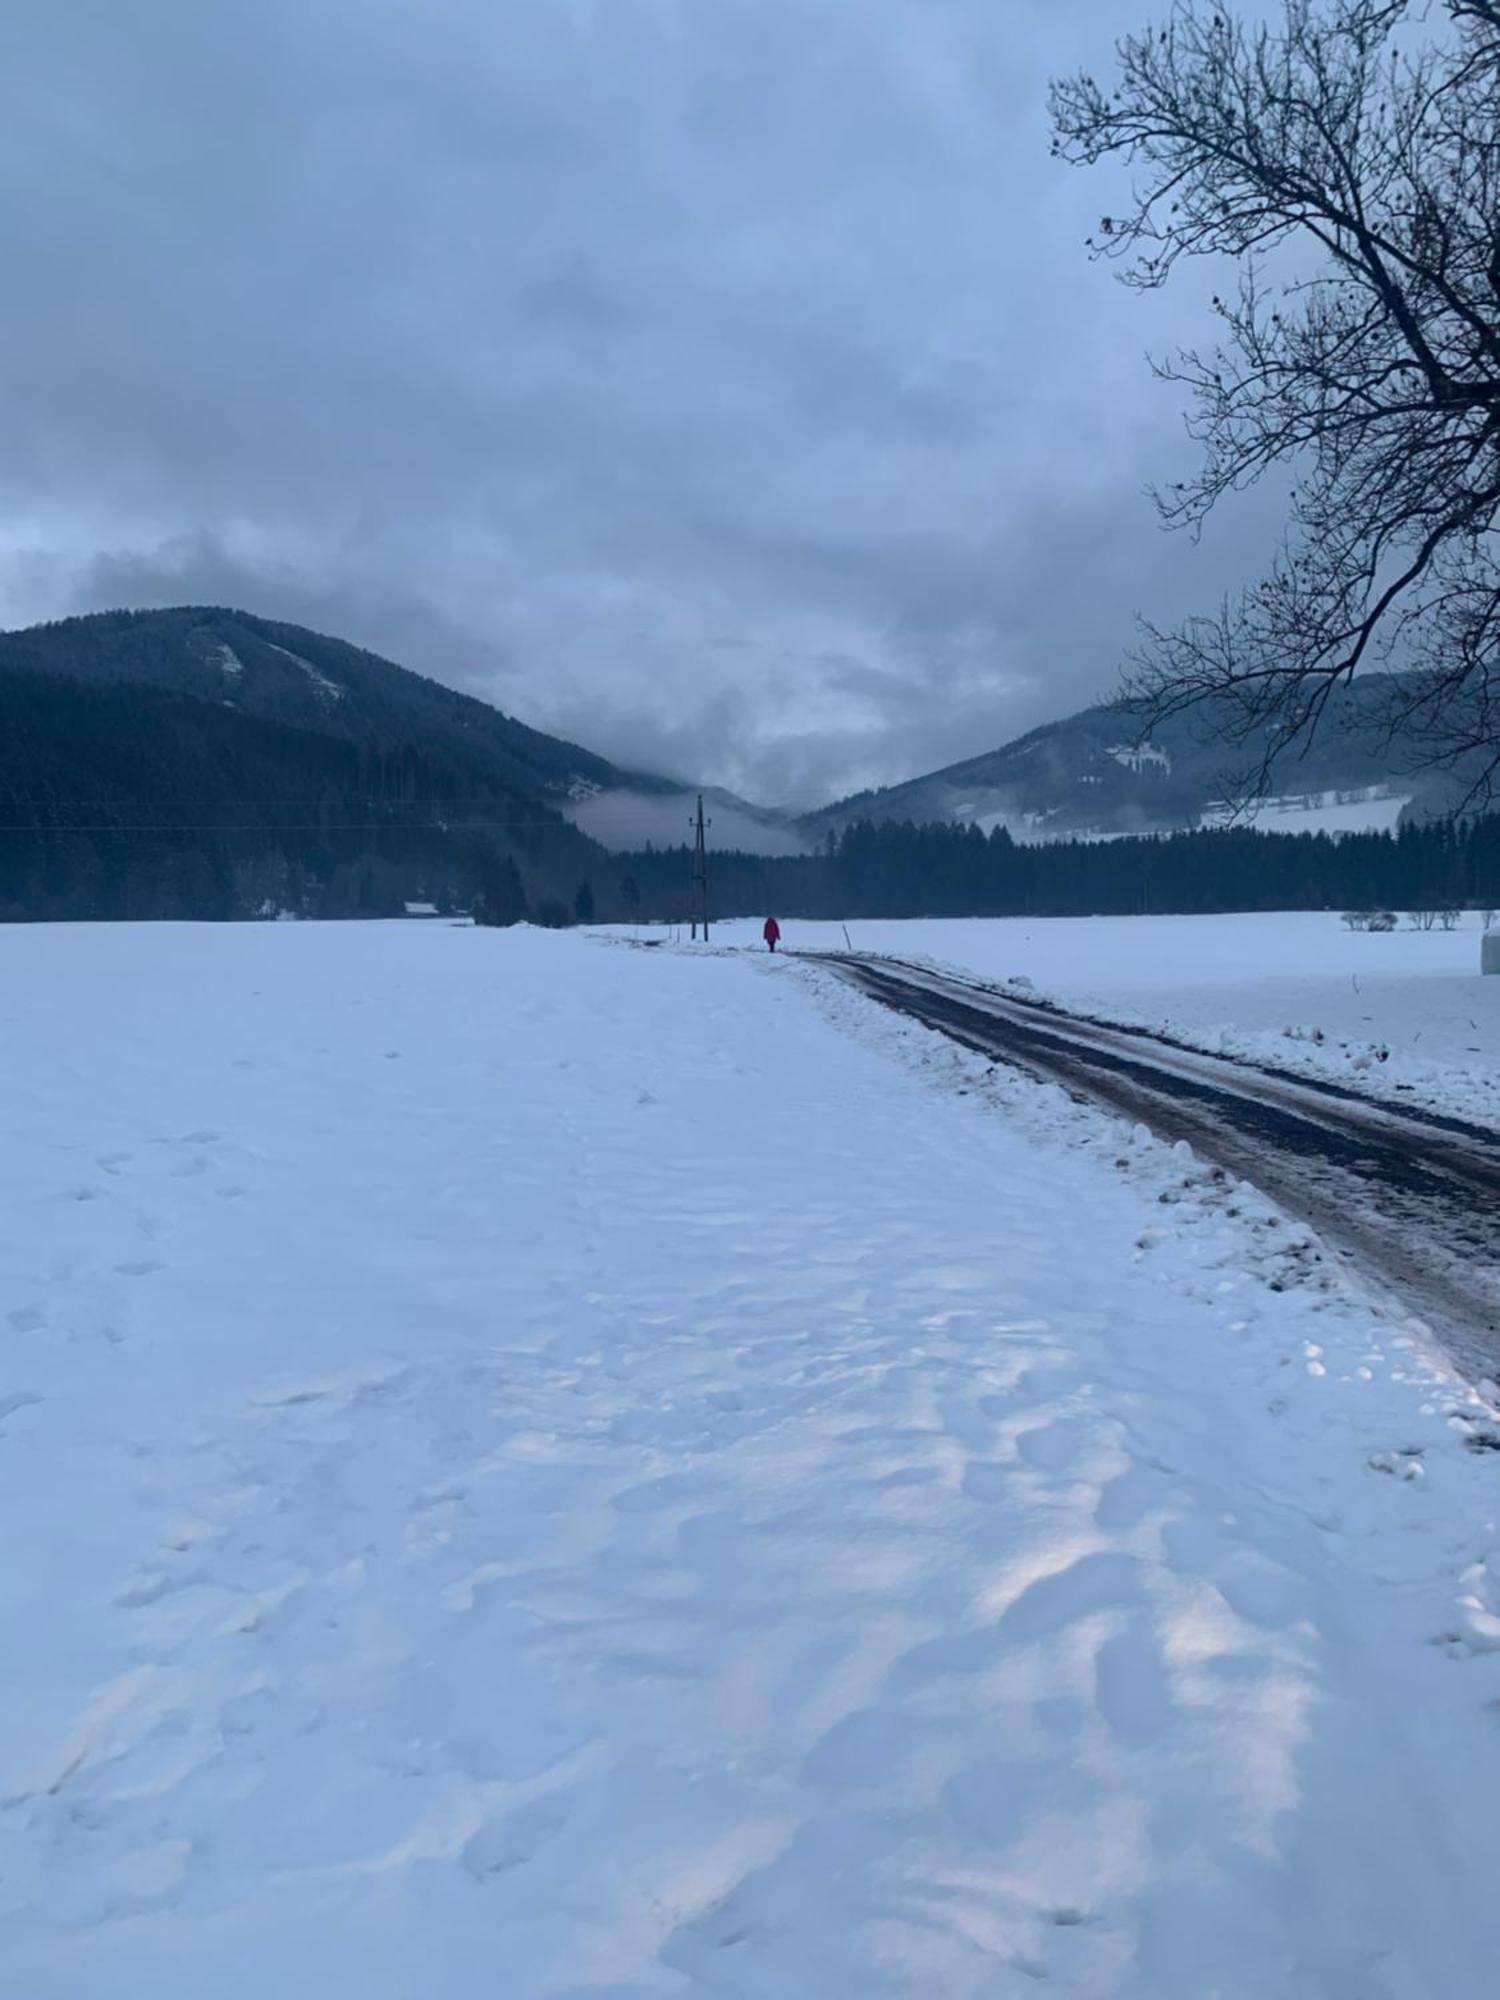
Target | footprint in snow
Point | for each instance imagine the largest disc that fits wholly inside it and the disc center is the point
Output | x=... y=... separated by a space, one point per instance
x=984 y=1480
x=146 y=1587
x=1102 y=1580
x=1126 y=1499
x=1403 y=1463
x=259 y=1606
x=340 y=1389
x=1061 y=1444
x=505 y=1843
x=1132 y=1686
x=26 y=1319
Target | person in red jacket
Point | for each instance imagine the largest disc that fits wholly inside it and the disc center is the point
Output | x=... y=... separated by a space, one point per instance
x=771 y=933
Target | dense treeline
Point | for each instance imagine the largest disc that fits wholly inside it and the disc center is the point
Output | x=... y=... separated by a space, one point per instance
x=125 y=802
x=136 y=801
x=895 y=870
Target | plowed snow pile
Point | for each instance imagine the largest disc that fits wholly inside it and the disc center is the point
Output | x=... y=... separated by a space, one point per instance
x=531 y=1467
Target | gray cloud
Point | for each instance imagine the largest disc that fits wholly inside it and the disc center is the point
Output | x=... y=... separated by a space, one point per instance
x=721 y=382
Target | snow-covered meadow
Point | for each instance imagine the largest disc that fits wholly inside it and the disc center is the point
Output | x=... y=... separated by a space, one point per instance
x=1403 y=1014
x=537 y=1467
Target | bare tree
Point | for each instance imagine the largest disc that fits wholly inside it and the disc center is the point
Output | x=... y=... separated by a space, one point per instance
x=1347 y=161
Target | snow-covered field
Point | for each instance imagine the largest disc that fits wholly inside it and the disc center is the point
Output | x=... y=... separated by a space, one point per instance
x=1404 y=1014
x=1370 y=810
x=532 y=1467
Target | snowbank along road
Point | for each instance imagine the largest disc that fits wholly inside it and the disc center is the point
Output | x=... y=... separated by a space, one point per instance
x=1412 y=1196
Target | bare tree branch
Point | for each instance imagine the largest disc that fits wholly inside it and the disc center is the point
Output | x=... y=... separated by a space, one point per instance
x=1375 y=375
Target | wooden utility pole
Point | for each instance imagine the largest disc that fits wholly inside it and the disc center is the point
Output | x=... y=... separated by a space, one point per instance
x=700 y=872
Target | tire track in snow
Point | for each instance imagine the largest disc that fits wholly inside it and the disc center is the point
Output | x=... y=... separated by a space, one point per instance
x=1411 y=1198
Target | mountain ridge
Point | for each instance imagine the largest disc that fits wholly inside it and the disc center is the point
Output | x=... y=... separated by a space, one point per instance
x=1095 y=773
x=290 y=674
x=1087 y=775
x=206 y=762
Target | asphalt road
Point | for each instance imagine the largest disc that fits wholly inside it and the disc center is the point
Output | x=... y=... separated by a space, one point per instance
x=1412 y=1198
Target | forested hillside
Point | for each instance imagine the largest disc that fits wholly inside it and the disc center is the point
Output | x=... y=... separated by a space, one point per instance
x=207 y=763
x=1094 y=772
x=285 y=673
x=132 y=801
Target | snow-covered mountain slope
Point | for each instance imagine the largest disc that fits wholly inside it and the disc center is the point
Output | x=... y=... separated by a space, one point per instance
x=504 y=1497
x=1092 y=775
x=1354 y=809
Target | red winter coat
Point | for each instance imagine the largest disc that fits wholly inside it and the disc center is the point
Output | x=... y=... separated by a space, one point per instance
x=772 y=931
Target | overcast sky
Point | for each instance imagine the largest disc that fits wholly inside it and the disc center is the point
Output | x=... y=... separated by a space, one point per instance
x=720 y=382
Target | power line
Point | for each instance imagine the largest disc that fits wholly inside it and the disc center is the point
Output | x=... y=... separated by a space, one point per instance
x=285 y=799
x=299 y=826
